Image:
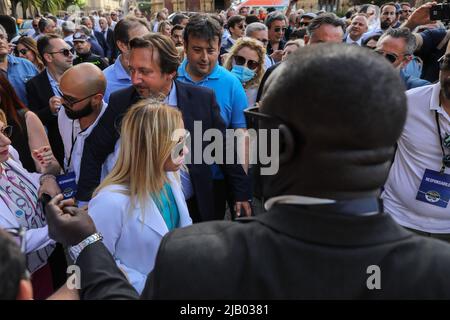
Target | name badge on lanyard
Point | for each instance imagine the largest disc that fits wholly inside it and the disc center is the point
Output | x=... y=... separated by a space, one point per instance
x=434 y=188
x=68 y=185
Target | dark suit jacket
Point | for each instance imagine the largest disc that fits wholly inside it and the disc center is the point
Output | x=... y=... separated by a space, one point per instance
x=102 y=42
x=196 y=104
x=39 y=92
x=290 y=252
x=112 y=51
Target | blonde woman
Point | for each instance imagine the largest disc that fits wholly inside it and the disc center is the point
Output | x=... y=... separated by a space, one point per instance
x=141 y=199
x=246 y=61
x=164 y=28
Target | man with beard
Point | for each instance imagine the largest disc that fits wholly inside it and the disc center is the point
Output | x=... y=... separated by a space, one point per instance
x=388 y=18
x=417 y=191
x=82 y=88
x=397 y=46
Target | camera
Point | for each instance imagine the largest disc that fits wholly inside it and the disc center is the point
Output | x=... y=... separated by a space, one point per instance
x=440 y=11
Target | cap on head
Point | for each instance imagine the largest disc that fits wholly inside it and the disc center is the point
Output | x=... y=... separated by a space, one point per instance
x=80 y=36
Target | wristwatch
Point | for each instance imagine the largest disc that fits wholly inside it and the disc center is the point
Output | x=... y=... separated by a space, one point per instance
x=75 y=251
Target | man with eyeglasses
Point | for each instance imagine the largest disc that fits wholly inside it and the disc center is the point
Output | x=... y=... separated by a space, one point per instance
x=34 y=32
x=276 y=25
x=397 y=46
x=43 y=89
x=82 y=88
x=236 y=27
x=405 y=11
x=259 y=31
x=417 y=191
x=17 y=70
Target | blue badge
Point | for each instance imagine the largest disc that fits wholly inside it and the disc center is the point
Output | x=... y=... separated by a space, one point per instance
x=67 y=184
x=434 y=188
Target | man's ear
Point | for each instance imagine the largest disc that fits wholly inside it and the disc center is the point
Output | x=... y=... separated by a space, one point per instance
x=306 y=39
x=287 y=144
x=122 y=46
x=407 y=59
x=25 y=290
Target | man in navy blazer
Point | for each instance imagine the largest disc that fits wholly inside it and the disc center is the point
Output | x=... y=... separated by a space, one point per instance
x=195 y=103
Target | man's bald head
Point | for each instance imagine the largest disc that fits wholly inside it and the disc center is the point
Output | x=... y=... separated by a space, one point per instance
x=84 y=77
x=344 y=124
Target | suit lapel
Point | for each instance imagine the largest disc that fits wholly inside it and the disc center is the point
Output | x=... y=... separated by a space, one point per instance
x=184 y=104
x=152 y=218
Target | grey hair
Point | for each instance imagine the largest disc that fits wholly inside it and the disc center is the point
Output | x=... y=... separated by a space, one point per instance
x=403 y=33
x=327 y=18
x=68 y=26
x=274 y=16
x=254 y=27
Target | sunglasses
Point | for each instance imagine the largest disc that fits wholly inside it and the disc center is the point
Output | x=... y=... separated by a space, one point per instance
x=407 y=11
x=241 y=61
x=70 y=101
x=278 y=29
x=23 y=51
x=7 y=131
x=303 y=24
x=391 y=57
x=65 y=52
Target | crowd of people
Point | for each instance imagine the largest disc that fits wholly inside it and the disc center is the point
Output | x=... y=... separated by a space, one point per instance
x=107 y=121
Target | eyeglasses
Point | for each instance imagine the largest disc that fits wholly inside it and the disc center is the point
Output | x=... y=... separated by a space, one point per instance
x=69 y=101
x=66 y=52
x=241 y=61
x=278 y=29
x=391 y=57
x=18 y=236
x=406 y=11
x=23 y=51
x=6 y=131
x=303 y=24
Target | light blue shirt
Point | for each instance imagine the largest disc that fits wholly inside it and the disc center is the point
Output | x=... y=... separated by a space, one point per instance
x=53 y=84
x=230 y=96
x=116 y=78
x=186 y=184
x=18 y=73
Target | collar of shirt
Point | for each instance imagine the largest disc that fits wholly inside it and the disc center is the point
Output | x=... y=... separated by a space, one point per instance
x=357 y=207
x=119 y=70
x=53 y=84
x=171 y=99
x=12 y=60
x=182 y=72
x=434 y=102
x=350 y=41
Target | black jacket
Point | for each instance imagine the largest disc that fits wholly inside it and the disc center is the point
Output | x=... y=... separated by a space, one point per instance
x=39 y=92
x=196 y=104
x=91 y=58
x=290 y=252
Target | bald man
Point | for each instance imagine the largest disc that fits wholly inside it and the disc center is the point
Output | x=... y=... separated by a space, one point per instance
x=82 y=89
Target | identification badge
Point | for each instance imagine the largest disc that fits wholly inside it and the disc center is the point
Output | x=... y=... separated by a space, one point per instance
x=434 y=188
x=67 y=184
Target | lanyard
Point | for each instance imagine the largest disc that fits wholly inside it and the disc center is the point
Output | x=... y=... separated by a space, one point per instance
x=74 y=140
x=440 y=140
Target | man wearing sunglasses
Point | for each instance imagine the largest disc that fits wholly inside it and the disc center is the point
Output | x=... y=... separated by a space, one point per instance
x=43 y=90
x=236 y=27
x=397 y=46
x=276 y=24
x=416 y=193
x=83 y=49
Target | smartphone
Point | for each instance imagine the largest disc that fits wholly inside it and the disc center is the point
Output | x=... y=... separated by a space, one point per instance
x=440 y=11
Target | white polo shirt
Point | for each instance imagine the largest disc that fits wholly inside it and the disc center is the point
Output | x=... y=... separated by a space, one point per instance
x=418 y=149
x=72 y=134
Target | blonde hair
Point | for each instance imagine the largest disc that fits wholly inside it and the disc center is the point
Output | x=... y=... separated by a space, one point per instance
x=254 y=45
x=3 y=117
x=146 y=144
